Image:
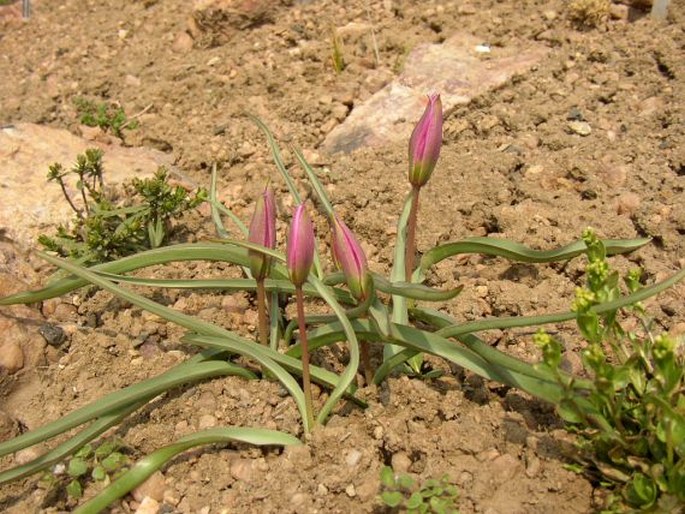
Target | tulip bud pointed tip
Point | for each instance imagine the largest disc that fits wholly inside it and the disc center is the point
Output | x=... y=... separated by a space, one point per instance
x=425 y=142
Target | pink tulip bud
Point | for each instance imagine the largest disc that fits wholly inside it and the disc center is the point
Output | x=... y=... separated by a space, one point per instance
x=262 y=232
x=425 y=142
x=349 y=256
x=300 y=248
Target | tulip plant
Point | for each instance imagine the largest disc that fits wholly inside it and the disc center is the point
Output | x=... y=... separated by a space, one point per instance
x=358 y=306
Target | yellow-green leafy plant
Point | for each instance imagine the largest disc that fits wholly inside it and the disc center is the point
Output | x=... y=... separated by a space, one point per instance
x=631 y=420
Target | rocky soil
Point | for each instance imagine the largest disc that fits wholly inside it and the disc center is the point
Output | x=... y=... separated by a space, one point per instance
x=589 y=134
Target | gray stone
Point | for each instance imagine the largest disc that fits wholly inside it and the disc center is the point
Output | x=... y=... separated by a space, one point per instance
x=454 y=69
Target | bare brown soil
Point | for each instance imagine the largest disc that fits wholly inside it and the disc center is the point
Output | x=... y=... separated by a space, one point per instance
x=512 y=166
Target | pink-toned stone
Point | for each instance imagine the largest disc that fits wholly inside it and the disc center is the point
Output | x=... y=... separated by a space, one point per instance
x=454 y=69
x=11 y=356
x=30 y=205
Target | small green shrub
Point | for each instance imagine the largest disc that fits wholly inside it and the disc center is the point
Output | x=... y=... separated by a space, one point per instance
x=631 y=423
x=103 y=230
x=402 y=493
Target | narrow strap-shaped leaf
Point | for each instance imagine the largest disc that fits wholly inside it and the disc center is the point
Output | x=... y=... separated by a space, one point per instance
x=347 y=377
x=73 y=444
x=287 y=361
x=487 y=352
x=263 y=356
x=316 y=183
x=278 y=160
x=317 y=319
x=166 y=254
x=151 y=463
x=458 y=329
x=112 y=402
x=399 y=303
x=216 y=217
x=414 y=291
x=518 y=252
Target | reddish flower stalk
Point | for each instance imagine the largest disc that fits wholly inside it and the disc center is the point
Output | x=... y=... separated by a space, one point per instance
x=299 y=259
x=262 y=232
x=424 y=151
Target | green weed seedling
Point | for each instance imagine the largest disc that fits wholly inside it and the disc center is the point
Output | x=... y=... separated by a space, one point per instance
x=100 y=464
x=108 y=116
x=402 y=493
x=104 y=229
x=631 y=422
x=337 y=51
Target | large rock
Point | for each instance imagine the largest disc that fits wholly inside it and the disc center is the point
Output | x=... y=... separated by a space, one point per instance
x=459 y=69
x=30 y=206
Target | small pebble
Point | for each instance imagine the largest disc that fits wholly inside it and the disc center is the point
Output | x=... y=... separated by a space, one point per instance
x=628 y=203
x=206 y=421
x=153 y=488
x=400 y=462
x=353 y=457
x=148 y=506
x=582 y=128
x=11 y=356
x=53 y=334
x=241 y=469
x=351 y=491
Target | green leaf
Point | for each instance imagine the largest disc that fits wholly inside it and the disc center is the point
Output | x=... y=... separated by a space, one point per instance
x=113 y=461
x=568 y=411
x=415 y=501
x=518 y=252
x=640 y=491
x=114 y=405
x=405 y=481
x=387 y=476
x=148 y=465
x=74 y=489
x=99 y=473
x=392 y=498
x=399 y=313
x=77 y=467
x=106 y=448
x=85 y=452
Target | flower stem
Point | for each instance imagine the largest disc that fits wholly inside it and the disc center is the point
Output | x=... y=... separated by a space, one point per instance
x=366 y=362
x=261 y=313
x=410 y=248
x=306 y=380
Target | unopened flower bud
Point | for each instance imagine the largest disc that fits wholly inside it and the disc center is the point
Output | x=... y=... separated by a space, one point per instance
x=425 y=143
x=350 y=257
x=262 y=232
x=300 y=247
